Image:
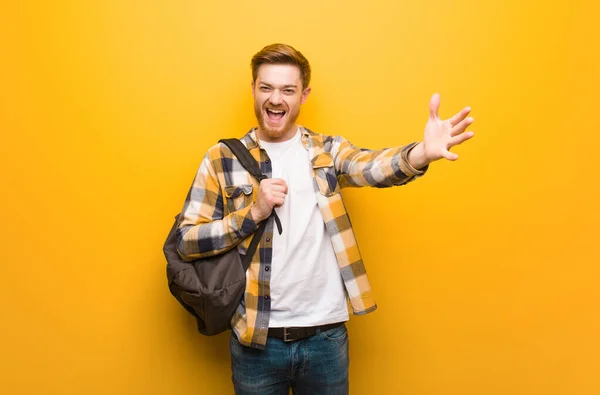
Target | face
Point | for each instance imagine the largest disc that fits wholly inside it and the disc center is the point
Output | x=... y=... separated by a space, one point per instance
x=278 y=95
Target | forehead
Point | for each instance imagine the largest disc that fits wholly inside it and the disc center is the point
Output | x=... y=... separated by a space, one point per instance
x=278 y=74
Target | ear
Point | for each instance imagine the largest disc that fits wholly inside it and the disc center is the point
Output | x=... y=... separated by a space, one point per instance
x=305 y=94
x=252 y=87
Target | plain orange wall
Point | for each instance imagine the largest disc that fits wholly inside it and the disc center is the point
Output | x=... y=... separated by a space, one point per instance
x=485 y=271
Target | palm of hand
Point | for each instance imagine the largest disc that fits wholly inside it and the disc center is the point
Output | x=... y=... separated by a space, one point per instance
x=441 y=135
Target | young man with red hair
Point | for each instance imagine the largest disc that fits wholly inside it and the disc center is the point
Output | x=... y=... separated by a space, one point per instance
x=288 y=330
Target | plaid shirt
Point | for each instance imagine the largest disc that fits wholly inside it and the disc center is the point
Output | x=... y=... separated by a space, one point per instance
x=216 y=216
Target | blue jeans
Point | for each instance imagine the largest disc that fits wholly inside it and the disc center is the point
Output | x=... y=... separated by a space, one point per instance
x=315 y=365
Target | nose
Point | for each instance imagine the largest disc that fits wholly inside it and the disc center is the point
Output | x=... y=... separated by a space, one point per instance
x=275 y=98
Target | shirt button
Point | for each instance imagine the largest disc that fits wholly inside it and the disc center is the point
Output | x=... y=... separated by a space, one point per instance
x=267 y=297
x=267 y=268
x=268 y=161
x=268 y=240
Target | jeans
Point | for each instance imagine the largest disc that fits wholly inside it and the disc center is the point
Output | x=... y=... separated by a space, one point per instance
x=315 y=365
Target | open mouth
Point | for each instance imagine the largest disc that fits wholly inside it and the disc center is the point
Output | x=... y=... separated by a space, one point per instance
x=275 y=115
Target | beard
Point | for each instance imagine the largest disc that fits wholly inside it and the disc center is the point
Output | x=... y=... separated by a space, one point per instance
x=275 y=132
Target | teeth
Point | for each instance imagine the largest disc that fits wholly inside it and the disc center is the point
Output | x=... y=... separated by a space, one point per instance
x=276 y=111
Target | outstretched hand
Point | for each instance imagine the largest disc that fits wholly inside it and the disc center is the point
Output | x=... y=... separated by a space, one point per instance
x=441 y=135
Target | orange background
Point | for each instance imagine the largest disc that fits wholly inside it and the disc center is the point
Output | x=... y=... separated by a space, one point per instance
x=485 y=271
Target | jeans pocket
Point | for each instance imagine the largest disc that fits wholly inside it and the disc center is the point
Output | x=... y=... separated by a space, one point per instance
x=337 y=334
x=236 y=349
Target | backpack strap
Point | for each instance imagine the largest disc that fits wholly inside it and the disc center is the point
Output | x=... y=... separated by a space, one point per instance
x=245 y=157
x=247 y=160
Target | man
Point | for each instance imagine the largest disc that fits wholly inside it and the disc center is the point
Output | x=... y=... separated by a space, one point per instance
x=288 y=331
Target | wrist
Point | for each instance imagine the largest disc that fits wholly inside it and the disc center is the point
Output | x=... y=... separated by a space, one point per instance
x=416 y=157
x=255 y=214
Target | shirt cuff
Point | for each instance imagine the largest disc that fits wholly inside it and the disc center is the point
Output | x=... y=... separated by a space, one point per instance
x=406 y=167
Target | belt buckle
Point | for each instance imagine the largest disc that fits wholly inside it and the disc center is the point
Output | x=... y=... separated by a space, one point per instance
x=292 y=333
x=286 y=339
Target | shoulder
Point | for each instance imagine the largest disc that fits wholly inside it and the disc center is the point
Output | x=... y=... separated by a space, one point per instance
x=326 y=141
x=222 y=151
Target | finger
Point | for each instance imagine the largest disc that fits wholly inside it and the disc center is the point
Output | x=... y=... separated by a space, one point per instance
x=279 y=188
x=460 y=116
x=280 y=182
x=449 y=155
x=461 y=138
x=434 y=106
x=278 y=200
x=461 y=126
x=278 y=195
x=275 y=199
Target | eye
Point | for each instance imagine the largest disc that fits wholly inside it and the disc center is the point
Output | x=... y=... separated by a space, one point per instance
x=289 y=91
x=265 y=89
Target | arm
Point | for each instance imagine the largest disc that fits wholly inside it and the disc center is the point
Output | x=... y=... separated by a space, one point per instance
x=397 y=166
x=356 y=167
x=203 y=230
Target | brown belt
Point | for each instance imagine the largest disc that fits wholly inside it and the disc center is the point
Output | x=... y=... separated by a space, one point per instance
x=293 y=333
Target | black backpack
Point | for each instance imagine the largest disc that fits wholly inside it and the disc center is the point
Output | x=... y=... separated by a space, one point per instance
x=211 y=288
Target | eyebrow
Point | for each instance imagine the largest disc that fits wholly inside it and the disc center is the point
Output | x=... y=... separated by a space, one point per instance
x=271 y=86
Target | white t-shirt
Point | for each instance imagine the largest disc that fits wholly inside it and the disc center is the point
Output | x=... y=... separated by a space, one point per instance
x=306 y=284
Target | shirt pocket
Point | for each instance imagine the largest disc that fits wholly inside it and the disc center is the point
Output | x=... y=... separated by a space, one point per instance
x=324 y=173
x=238 y=196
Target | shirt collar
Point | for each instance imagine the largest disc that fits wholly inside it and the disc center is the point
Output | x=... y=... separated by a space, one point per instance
x=254 y=142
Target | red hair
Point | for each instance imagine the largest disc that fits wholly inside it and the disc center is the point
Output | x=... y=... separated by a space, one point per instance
x=281 y=54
